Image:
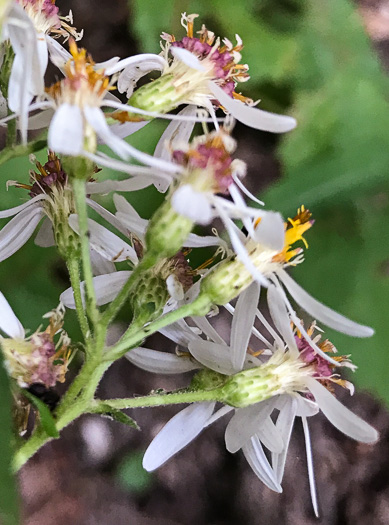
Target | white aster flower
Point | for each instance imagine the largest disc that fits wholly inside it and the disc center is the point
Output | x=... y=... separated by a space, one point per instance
x=201 y=71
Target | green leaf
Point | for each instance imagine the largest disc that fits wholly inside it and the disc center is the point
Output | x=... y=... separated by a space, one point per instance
x=9 y=501
x=47 y=420
x=347 y=267
x=117 y=415
x=341 y=145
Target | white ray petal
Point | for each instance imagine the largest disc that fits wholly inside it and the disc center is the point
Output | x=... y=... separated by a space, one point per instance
x=160 y=362
x=106 y=287
x=311 y=472
x=45 y=235
x=270 y=436
x=100 y=265
x=96 y=119
x=281 y=320
x=188 y=58
x=180 y=333
x=284 y=424
x=192 y=204
x=176 y=133
x=125 y=129
x=107 y=215
x=340 y=416
x=218 y=414
x=105 y=242
x=144 y=63
x=245 y=423
x=17 y=232
x=66 y=131
x=257 y=460
x=212 y=355
x=208 y=330
x=9 y=323
x=270 y=232
x=176 y=434
x=242 y=324
x=321 y=312
x=21 y=207
x=253 y=117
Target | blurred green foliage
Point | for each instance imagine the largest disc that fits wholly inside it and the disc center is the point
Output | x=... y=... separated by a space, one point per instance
x=131 y=476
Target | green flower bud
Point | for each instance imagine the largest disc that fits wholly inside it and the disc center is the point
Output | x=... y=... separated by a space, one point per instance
x=159 y=96
x=208 y=380
x=167 y=232
x=149 y=296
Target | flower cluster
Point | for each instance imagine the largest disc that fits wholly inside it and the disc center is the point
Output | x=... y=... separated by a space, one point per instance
x=271 y=371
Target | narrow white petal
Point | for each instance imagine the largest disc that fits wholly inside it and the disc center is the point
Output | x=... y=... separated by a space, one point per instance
x=197 y=241
x=132 y=184
x=136 y=65
x=245 y=424
x=192 y=204
x=107 y=215
x=18 y=209
x=100 y=265
x=242 y=324
x=270 y=436
x=208 y=330
x=311 y=472
x=281 y=320
x=9 y=323
x=180 y=333
x=106 y=243
x=125 y=129
x=212 y=355
x=176 y=434
x=106 y=287
x=340 y=416
x=305 y=407
x=18 y=231
x=161 y=362
x=321 y=312
x=188 y=58
x=96 y=119
x=58 y=54
x=66 y=131
x=284 y=424
x=253 y=117
x=257 y=460
x=45 y=235
x=176 y=133
x=270 y=232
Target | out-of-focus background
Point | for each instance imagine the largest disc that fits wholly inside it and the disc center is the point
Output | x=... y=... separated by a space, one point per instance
x=324 y=63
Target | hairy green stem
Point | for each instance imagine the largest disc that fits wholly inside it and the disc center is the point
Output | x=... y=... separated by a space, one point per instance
x=132 y=338
x=156 y=400
x=74 y=274
x=81 y=207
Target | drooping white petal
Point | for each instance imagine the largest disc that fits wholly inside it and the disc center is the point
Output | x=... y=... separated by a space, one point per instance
x=19 y=230
x=257 y=460
x=9 y=323
x=176 y=434
x=192 y=204
x=270 y=436
x=242 y=323
x=105 y=242
x=58 y=54
x=311 y=472
x=280 y=317
x=218 y=414
x=270 y=232
x=45 y=235
x=253 y=117
x=21 y=207
x=66 y=131
x=197 y=241
x=132 y=184
x=245 y=423
x=321 y=312
x=284 y=424
x=180 y=333
x=96 y=119
x=125 y=129
x=340 y=416
x=161 y=362
x=212 y=355
x=106 y=287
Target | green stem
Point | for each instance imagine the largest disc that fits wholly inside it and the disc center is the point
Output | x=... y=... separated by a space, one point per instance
x=198 y=307
x=156 y=400
x=81 y=207
x=9 y=153
x=74 y=274
x=11 y=133
x=120 y=299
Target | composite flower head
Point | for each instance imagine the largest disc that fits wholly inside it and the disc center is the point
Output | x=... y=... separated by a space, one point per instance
x=201 y=69
x=37 y=358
